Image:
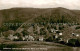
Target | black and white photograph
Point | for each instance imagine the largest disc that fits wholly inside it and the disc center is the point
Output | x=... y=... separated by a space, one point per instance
x=39 y=25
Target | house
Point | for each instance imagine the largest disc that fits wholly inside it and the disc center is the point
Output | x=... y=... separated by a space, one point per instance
x=29 y=38
x=23 y=38
x=66 y=40
x=61 y=39
x=15 y=37
x=53 y=31
x=56 y=36
x=41 y=38
x=74 y=34
x=11 y=37
x=60 y=34
x=77 y=35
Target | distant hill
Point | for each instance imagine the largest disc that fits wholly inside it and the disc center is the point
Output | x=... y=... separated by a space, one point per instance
x=61 y=15
x=54 y=15
x=22 y=14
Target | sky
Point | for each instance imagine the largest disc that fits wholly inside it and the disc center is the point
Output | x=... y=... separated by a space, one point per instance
x=70 y=4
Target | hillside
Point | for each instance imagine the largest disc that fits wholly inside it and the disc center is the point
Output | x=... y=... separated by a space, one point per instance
x=36 y=15
x=61 y=15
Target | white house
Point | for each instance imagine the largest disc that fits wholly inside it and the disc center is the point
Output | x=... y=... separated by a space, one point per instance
x=15 y=37
x=29 y=38
x=56 y=36
x=11 y=37
x=77 y=35
x=23 y=38
x=73 y=34
x=67 y=41
x=41 y=38
x=53 y=31
x=60 y=34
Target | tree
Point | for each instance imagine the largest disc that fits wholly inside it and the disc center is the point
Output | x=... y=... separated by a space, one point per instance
x=78 y=42
x=61 y=27
x=50 y=39
x=42 y=31
x=13 y=24
x=25 y=32
x=17 y=34
x=77 y=27
x=72 y=42
x=4 y=28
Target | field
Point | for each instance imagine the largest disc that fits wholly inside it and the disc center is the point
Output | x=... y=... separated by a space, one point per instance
x=39 y=46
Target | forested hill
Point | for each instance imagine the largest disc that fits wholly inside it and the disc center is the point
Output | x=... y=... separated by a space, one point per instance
x=54 y=15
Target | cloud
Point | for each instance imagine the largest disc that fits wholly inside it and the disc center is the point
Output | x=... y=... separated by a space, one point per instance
x=71 y=4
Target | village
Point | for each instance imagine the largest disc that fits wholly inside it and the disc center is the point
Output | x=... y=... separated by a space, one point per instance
x=40 y=33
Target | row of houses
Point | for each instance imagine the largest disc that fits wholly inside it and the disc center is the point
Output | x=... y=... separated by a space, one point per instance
x=72 y=36
x=41 y=38
x=56 y=34
x=25 y=38
x=59 y=35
